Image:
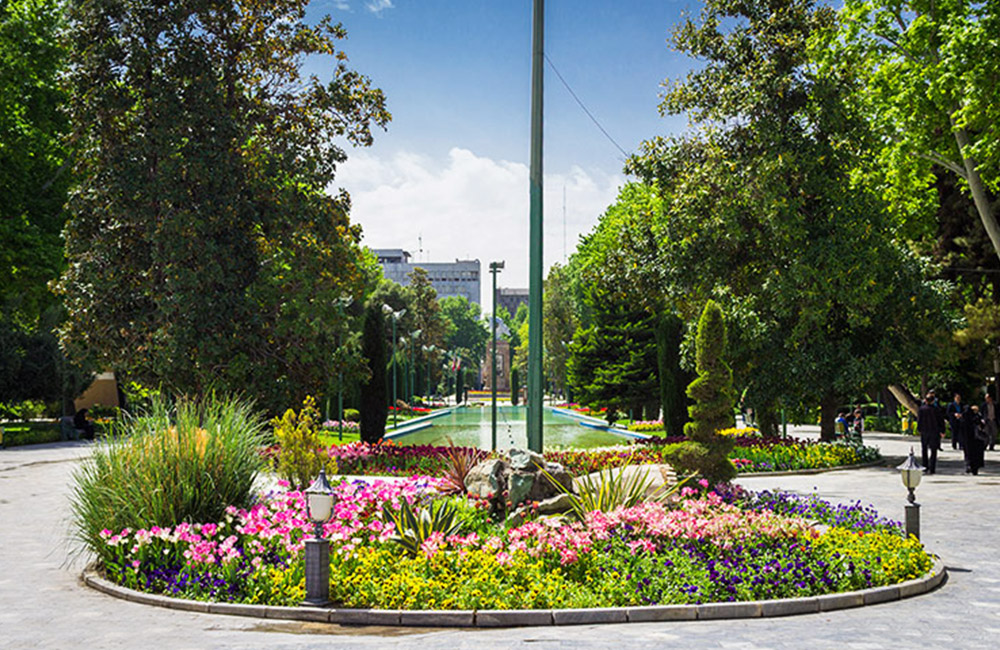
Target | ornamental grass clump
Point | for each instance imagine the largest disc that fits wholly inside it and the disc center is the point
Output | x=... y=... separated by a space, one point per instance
x=171 y=464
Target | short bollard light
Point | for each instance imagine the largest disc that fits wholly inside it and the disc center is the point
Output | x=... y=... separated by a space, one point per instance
x=320 y=498
x=911 y=472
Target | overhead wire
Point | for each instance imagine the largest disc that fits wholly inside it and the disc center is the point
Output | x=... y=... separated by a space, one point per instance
x=584 y=107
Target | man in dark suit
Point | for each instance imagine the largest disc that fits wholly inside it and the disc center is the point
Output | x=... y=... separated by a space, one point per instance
x=989 y=412
x=930 y=434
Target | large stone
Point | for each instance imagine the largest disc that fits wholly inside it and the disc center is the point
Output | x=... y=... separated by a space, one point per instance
x=521 y=485
x=525 y=460
x=556 y=505
x=486 y=480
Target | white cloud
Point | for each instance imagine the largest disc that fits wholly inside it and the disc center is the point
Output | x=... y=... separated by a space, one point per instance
x=378 y=6
x=470 y=207
x=343 y=5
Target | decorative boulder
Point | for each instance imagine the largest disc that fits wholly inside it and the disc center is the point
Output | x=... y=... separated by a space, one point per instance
x=487 y=480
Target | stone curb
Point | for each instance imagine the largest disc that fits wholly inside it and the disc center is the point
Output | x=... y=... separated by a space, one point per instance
x=538 y=617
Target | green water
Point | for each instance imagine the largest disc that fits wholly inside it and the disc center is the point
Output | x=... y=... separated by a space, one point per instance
x=470 y=427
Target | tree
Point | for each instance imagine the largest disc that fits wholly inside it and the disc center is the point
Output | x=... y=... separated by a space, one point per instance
x=374 y=410
x=465 y=327
x=33 y=186
x=559 y=323
x=763 y=213
x=203 y=248
x=706 y=451
x=673 y=403
x=612 y=363
x=930 y=73
x=515 y=385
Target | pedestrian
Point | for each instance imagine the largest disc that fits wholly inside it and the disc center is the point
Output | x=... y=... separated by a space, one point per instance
x=81 y=423
x=858 y=426
x=928 y=425
x=989 y=412
x=840 y=427
x=954 y=414
x=975 y=440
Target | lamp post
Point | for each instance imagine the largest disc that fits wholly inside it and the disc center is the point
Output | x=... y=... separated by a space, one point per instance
x=495 y=267
x=535 y=264
x=395 y=315
x=321 y=499
x=910 y=471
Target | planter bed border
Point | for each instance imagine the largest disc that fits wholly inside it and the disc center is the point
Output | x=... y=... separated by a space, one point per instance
x=538 y=617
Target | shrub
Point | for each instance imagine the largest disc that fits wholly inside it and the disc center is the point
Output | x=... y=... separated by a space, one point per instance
x=707 y=452
x=352 y=415
x=167 y=466
x=301 y=455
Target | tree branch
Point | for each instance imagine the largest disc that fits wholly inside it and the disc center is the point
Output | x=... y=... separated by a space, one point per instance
x=937 y=158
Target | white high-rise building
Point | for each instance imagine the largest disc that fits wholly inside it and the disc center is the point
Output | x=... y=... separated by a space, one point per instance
x=458 y=278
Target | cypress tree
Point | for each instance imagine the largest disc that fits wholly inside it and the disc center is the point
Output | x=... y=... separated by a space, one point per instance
x=706 y=452
x=373 y=393
x=515 y=385
x=669 y=331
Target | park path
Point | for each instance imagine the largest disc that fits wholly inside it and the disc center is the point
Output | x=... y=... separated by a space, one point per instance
x=44 y=605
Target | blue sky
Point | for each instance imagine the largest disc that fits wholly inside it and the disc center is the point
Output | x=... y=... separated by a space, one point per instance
x=452 y=166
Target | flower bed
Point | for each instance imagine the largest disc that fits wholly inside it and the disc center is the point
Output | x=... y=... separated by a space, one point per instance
x=752 y=453
x=711 y=547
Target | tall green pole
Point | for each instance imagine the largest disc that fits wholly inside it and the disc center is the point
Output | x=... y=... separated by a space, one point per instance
x=494 y=269
x=535 y=247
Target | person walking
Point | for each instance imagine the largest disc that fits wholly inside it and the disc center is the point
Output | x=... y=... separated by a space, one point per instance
x=954 y=415
x=989 y=412
x=931 y=433
x=975 y=440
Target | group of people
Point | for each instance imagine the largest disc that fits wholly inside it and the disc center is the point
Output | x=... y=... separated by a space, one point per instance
x=973 y=430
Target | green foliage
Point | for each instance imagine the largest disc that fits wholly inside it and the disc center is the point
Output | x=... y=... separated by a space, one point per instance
x=929 y=72
x=466 y=329
x=33 y=178
x=613 y=488
x=707 y=452
x=515 y=385
x=302 y=454
x=460 y=386
x=673 y=400
x=352 y=415
x=374 y=409
x=168 y=465
x=613 y=362
x=766 y=212
x=414 y=526
x=202 y=246
x=559 y=323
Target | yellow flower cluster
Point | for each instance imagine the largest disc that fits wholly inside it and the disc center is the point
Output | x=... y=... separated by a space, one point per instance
x=890 y=558
x=473 y=579
x=278 y=586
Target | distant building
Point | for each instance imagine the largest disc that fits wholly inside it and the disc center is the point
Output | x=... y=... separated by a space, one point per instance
x=458 y=278
x=511 y=299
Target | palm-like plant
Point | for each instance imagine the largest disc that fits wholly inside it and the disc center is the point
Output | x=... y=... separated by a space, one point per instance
x=414 y=527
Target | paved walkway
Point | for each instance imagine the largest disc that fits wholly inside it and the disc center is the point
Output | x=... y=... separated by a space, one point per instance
x=43 y=604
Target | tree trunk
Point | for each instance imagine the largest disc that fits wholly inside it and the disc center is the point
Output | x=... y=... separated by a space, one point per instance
x=827 y=418
x=905 y=398
x=979 y=192
x=767 y=420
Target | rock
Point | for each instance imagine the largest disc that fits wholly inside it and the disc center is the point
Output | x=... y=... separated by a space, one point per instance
x=525 y=460
x=556 y=505
x=486 y=479
x=520 y=486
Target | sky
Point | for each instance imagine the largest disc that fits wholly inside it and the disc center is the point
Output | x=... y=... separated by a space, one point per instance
x=450 y=174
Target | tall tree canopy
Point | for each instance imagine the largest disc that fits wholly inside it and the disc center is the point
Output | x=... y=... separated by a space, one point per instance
x=202 y=245
x=764 y=214
x=930 y=70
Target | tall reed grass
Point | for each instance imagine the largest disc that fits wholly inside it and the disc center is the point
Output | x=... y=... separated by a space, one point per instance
x=169 y=464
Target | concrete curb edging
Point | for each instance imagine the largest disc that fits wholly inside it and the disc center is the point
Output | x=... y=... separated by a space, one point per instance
x=813 y=470
x=537 y=617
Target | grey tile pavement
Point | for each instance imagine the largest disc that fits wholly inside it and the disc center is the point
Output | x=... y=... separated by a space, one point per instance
x=44 y=605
